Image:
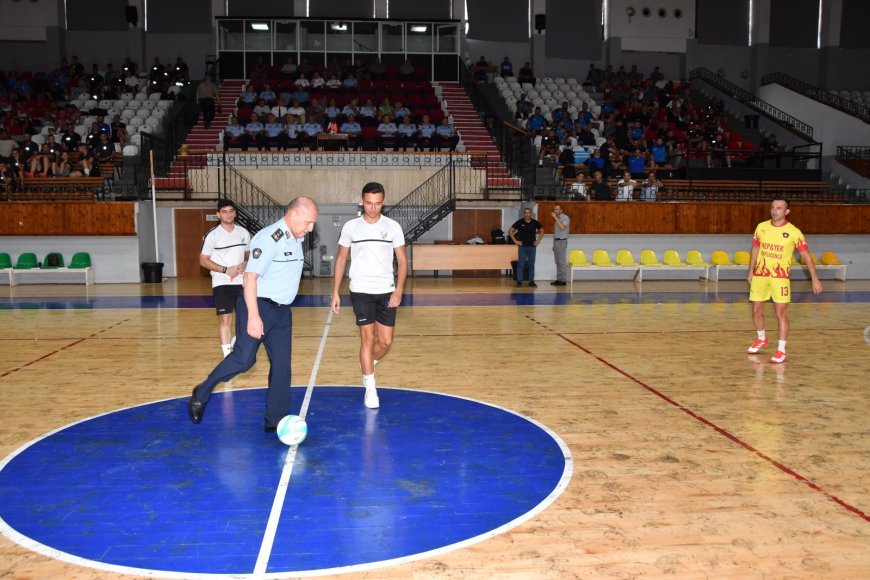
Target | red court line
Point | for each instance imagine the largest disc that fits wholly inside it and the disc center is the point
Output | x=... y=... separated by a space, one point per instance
x=721 y=431
x=63 y=348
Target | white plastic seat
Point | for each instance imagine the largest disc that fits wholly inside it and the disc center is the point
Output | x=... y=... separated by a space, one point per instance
x=89 y=105
x=130 y=151
x=136 y=121
x=164 y=104
x=128 y=114
x=154 y=97
x=152 y=122
x=158 y=113
x=88 y=120
x=105 y=104
x=150 y=105
x=136 y=138
x=134 y=104
x=46 y=129
x=143 y=112
x=142 y=96
x=120 y=104
x=38 y=139
x=112 y=112
x=82 y=130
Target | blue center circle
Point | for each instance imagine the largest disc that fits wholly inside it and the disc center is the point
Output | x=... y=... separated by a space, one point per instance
x=143 y=489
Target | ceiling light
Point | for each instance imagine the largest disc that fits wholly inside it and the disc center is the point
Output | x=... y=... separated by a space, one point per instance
x=419 y=28
x=259 y=26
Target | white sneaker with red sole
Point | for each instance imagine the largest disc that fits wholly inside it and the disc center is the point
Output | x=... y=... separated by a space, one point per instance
x=757 y=346
x=779 y=357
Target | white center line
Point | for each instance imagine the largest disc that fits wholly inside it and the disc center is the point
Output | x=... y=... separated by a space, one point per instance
x=284 y=482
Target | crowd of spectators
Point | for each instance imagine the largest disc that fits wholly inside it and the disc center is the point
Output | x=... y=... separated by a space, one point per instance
x=368 y=105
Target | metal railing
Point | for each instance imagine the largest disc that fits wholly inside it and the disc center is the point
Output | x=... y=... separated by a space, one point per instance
x=853 y=152
x=820 y=95
x=752 y=101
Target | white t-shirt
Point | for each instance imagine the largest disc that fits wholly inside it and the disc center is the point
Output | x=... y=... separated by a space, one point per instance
x=371 y=253
x=226 y=249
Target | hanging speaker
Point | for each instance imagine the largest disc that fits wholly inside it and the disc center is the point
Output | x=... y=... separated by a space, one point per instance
x=132 y=15
x=540 y=22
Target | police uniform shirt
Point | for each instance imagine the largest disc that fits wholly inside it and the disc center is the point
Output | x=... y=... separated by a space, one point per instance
x=407 y=129
x=445 y=130
x=274 y=129
x=426 y=130
x=312 y=128
x=293 y=129
x=402 y=112
x=367 y=111
x=277 y=257
x=351 y=128
x=387 y=129
x=332 y=112
x=254 y=127
x=235 y=130
x=371 y=252
x=225 y=248
x=268 y=95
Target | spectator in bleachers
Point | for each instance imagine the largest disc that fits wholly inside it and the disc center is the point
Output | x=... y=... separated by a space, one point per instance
x=718 y=149
x=42 y=162
x=585 y=136
x=249 y=97
x=297 y=110
x=400 y=111
x=506 y=69
x=332 y=110
x=131 y=83
x=180 y=72
x=7 y=144
x=288 y=69
x=68 y=138
x=596 y=162
x=76 y=69
x=268 y=95
x=317 y=81
x=525 y=75
x=129 y=66
x=119 y=132
x=549 y=146
x=352 y=129
x=315 y=111
x=600 y=190
x=305 y=66
x=333 y=83
x=376 y=69
x=253 y=133
x=28 y=148
x=368 y=111
x=302 y=81
x=636 y=164
x=480 y=74
x=262 y=108
x=280 y=109
x=105 y=149
x=407 y=134
x=385 y=109
x=524 y=107
x=259 y=71
x=387 y=133
x=157 y=74
x=111 y=75
x=206 y=97
x=310 y=131
x=334 y=69
x=559 y=112
x=350 y=82
x=274 y=133
x=351 y=108
x=650 y=187
x=233 y=133
x=445 y=136
x=406 y=70
x=301 y=95
x=294 y=132
x=537 y=122
x=425 y=132
x=625 y=187
x=769 y=149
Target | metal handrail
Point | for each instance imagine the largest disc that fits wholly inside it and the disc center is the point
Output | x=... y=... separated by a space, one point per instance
x=853 y=152
x=820 y=95
x=752 y=101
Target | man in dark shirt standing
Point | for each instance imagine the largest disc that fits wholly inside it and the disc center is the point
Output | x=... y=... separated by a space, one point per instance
x=600 y=189
x=526 y=233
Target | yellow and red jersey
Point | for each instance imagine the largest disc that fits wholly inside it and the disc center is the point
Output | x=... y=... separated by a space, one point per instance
x=777 y=245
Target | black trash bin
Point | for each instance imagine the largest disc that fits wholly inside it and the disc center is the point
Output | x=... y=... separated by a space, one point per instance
x=153 y=272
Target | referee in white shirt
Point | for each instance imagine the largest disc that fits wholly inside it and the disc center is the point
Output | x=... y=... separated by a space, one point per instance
x=375 y=291
x=224 y=252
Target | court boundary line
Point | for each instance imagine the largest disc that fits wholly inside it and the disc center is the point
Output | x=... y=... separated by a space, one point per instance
x=706 y=422
x=271 y=530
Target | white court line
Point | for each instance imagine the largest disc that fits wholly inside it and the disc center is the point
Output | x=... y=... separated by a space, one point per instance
x=284 y=482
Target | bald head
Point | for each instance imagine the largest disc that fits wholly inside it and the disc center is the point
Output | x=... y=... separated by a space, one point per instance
x=301 y=216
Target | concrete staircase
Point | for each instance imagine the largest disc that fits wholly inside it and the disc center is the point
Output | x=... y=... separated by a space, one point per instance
x=201 y=140
x=474 y=136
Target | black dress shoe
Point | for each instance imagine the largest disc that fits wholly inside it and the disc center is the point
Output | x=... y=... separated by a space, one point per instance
x=533 y=285
x=195 y=409
x=559 y=283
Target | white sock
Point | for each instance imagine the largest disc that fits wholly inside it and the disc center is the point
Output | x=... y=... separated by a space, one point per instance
x=227 y=348
x=760 y=334
x=375 y=362
x=369 y=380
x=781 y=346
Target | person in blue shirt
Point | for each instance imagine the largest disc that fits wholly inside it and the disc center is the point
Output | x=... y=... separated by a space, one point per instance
x=444 y=135
x=559 y=112
x=424 y=134
x=506 y=68
x=249 y=97
x=596 y=162
x=263 y=314
x=332 y=110
x=294 y=131
x=233 y=133
x=636 y=164
x=274 y=133
x=584 y=116
x=387 y=134
x=659 y=152
x=310 y=130
x=401 y=111
x=268 y=95
x=352 y=129
x=253 y=130
x=407 y=134
x=368 y=110
x=537 y=122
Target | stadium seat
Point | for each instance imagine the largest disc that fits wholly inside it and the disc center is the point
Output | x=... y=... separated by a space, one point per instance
x=812 y=257
x=5 y=261
x=624 y=258
x=794 y=261
x=672 y=258
x=26 y=261
x=828 y=259
x=601 y=258
x=649 y=258
x=741 y=258
x=578 y=258
x=694 y=258
x=80 y=260
x=46 y=265
x=720 y=258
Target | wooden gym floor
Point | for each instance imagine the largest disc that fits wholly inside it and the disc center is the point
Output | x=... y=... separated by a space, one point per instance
x=690 y=458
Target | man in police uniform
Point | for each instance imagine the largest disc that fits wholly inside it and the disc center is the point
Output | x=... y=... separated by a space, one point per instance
x=263 y=311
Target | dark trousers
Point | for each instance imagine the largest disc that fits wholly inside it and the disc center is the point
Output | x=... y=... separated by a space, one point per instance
x=206 y=105
x=526 y=254
x=278 y=330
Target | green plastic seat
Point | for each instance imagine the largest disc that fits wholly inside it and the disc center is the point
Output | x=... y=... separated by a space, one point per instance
x=26 y=261
x=80 y=260
x=5 y=261
x=46 y=265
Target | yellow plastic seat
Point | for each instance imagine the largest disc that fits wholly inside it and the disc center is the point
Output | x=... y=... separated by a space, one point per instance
x=694 y=258
x=720 y=258
x=624 y=258
x=812 y=257
x=672 y=258
x=601 y=258
x=578 y=258
x=741 y=258
x=793 y=261
x=831 y=259
x=649 y=258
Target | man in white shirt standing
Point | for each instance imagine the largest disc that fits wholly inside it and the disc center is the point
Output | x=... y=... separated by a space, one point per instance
x=225 y=254
x=375 y=292
x=625 y=187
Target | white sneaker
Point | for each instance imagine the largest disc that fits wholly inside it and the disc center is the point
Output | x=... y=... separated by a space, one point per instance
x=371 y=399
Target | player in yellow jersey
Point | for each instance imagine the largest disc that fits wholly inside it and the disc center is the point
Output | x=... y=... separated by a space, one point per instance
x=773 y=246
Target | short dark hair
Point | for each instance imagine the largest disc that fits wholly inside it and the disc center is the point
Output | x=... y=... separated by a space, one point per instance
x=787 y=204
x=373 y=187
x=222 y=203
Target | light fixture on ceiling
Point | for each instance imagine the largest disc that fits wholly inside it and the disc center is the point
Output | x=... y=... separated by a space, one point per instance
x=259 y=26
x=419 y=28
x=338 y=26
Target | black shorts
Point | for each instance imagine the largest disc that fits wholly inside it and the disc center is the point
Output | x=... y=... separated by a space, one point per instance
x=371 y=308
x=225 y=297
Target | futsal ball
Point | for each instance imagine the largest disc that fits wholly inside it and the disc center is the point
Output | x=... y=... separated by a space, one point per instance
x=292 y=430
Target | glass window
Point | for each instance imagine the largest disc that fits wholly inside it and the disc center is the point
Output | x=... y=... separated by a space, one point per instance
x=391 y=38
x=311 y=35
x=285 y=35
x=230 y=35
x=258 y=35
x=447 y=35
x=365 y=36
x=339 y=36
x=419 y=37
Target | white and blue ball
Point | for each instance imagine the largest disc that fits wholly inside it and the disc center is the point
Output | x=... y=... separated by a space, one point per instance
x=292 y=430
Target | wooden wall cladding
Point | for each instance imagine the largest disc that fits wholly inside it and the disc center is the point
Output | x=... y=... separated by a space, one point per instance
x=68 y=218
x=614 y=217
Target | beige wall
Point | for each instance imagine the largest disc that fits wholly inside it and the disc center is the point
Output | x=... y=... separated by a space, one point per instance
x=327 y=186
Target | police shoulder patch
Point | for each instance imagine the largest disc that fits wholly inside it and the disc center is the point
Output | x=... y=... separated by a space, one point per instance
x=277 y=235
x=256 y=253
